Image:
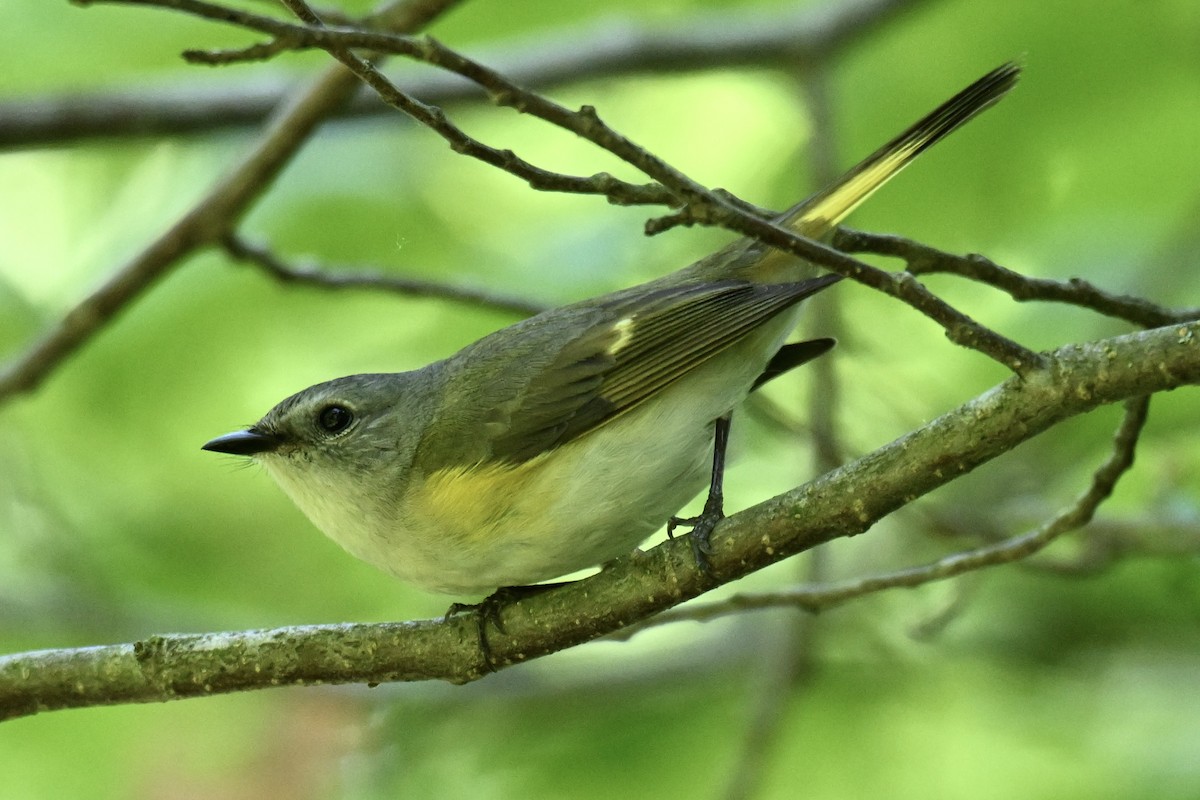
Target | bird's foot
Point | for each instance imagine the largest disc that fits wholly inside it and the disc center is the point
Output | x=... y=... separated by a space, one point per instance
x=487 y=611
x=702 y=526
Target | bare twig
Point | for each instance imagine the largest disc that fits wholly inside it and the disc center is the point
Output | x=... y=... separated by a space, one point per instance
x=922 y=260
x=818 y=598
x=339 y=42
x=604 y=50
x=1109 y=541
x=430 y=51
x=173 y=667
x=1164 y=533
x=314 y=275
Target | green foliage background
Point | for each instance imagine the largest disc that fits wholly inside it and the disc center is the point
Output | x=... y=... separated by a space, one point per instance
x=113 y=525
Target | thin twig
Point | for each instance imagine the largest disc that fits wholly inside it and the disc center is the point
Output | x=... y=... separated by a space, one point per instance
x=314 y=275
x=923 y=260
x=821 y=597
x=1110 y=541
x=503 y=92
x=608 y=49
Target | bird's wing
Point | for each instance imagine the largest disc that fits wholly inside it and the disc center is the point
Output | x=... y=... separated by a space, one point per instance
x=637 y=347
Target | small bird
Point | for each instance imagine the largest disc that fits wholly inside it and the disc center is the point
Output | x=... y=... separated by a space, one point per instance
x=563 y=441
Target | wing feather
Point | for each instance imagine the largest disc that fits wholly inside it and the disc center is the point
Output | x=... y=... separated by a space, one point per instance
x=638 y=348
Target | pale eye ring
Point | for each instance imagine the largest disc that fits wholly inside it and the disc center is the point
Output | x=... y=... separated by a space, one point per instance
x=334 y=418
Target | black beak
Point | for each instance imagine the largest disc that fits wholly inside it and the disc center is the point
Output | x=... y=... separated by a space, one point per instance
x=242 y=443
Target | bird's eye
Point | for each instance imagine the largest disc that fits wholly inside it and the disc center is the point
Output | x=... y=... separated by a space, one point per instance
x=334 y=419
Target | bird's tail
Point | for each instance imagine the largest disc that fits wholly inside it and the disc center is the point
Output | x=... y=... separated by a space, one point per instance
x=819 y=213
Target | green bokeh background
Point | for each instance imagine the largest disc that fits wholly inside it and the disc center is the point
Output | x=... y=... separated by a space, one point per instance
x=114 y=526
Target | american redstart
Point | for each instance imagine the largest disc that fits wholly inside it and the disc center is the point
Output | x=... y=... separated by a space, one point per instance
x=563 y=441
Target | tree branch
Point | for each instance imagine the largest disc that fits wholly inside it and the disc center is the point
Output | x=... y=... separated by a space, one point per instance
x=606 y=50
x=923 y=260
x=313 y=275
x=1077 y=378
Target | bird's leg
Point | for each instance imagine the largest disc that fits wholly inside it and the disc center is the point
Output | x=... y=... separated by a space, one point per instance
x=488 y=610
x=714 y=507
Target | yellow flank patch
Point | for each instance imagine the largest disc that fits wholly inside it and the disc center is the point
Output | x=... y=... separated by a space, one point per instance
x=467 y=503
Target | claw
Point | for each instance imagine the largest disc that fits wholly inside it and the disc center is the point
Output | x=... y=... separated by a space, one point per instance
x=488 y=610
x=702 y=527
x=485 y=611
